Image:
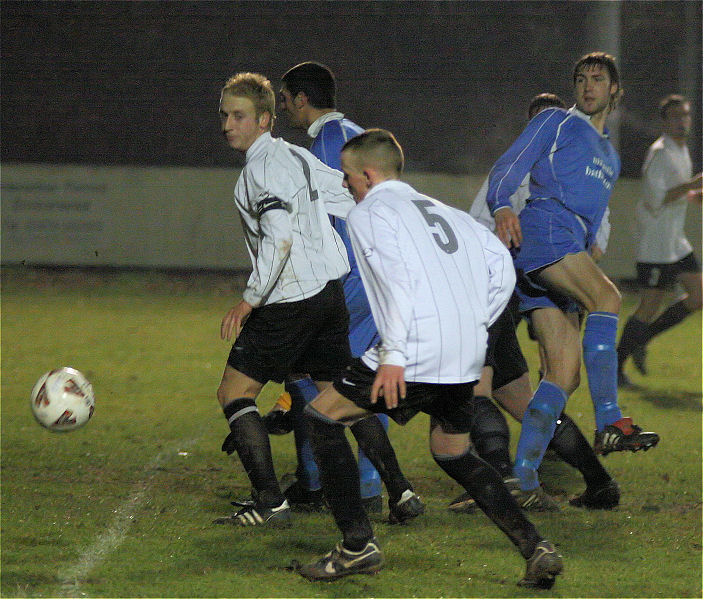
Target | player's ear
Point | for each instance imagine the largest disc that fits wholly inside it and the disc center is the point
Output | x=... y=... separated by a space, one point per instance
x=369 y=176
x=300 y=100
x=616 y=95
x=265 y=120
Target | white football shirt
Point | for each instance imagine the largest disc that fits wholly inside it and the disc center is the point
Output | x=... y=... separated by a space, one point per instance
x=284 y=195
x=661 y=237
x=436 y=279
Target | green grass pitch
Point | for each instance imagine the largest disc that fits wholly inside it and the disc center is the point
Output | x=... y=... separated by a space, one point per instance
x=123 y=507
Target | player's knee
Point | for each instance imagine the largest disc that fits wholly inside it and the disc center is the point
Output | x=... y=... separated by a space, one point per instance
x=226 y=394
x=489 y=426
x=222 y=394
x=235 y=384
x=693 y=302
x=547 y=405
x=318 y=414
x=448 y=445
x=325 y=433
x=566 y=378
x=608 y=299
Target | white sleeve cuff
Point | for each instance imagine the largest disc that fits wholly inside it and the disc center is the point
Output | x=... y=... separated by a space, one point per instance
x=392 y=357
x=251 y=298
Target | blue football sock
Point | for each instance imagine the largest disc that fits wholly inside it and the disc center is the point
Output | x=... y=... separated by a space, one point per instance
x=302 y=392
x=537 y=429
x=601 y=362
x=369 y=479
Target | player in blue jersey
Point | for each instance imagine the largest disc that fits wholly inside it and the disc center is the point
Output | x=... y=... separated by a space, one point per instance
x=573 y=169
x=505 y=378
x=307 y=97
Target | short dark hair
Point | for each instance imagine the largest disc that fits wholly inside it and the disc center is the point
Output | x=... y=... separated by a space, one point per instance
x=671 y=100
x=377 y=147
x=313 y=79
x=545 y=100
x=604 y=60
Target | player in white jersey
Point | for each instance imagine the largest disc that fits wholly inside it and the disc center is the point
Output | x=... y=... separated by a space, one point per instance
x=664 y=256
x=292 y=317
x=436 y=280
x=505 y=378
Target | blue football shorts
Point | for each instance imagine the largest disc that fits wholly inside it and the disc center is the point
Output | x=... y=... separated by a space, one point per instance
x=550 y=232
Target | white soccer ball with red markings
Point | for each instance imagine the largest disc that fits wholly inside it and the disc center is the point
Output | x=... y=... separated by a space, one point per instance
x=62 y=400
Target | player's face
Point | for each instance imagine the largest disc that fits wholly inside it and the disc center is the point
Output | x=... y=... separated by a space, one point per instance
x=354 y=179
x=239 y=121
x=288 y=106
x=678 y=121
x=593 y=89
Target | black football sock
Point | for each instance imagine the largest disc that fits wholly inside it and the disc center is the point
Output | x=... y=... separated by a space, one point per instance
x=249 y=437
x=635 y=333
x=490 y=435
x=340 y=478
x=484 y=484
x=374 y=441
x=572 y=447
x=671 y=316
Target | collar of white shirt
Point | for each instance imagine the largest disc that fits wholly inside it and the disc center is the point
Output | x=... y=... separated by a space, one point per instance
x=671 y=144
x=317 y=125
x=263 y=140
x=578 y=113
x=392 y=185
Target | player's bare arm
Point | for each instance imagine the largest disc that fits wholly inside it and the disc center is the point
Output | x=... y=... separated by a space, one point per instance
x=675 y=193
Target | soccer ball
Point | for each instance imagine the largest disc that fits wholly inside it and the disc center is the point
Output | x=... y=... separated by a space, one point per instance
x=62 y=400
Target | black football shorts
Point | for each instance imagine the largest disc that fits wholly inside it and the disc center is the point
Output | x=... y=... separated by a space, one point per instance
x=503 y=352
x=307 y=336
x=449 y=403
x=664 y=276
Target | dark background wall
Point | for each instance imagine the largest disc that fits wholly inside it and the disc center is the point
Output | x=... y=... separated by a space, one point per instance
x=138 y=82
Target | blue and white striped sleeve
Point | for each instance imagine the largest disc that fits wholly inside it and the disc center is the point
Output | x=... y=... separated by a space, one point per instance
x=509 y=171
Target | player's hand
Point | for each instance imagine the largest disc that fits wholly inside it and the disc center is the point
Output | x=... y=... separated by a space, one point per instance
x=508 y=227
x=390 y=384
x=695 y=194
x=233 y=321
x=596 y=253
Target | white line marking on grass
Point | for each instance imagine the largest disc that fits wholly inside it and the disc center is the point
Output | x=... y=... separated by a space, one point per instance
x=75 y=576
